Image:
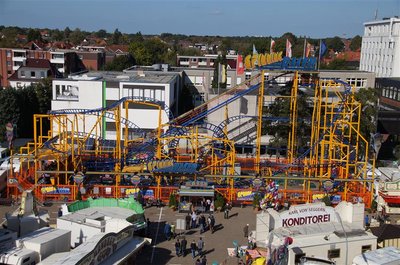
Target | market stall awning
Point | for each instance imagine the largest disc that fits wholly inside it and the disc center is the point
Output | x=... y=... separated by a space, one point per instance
x=196 y=192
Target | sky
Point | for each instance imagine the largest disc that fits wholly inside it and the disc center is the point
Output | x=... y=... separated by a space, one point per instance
x=311 y=18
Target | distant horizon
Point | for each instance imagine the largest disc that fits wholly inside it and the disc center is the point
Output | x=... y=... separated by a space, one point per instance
x=225 y=18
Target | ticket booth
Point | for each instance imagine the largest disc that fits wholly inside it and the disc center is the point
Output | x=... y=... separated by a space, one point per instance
x=196 y=195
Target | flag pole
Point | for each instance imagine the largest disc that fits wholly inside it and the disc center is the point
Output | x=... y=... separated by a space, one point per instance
x=319 y=54
x=304 y=48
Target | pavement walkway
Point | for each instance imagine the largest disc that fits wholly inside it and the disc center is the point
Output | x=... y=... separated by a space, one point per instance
x=162 y=251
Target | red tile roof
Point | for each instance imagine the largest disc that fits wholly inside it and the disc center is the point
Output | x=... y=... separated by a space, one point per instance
x=114 y=48
x=38 y=63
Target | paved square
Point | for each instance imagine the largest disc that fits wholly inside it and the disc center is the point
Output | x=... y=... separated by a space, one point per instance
x=162 y=251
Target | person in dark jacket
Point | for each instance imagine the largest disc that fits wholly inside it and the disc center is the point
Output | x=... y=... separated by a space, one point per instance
x=178 y=248
x=193 y=247
x=167 y=231
x=183 y=247
x=204 y=260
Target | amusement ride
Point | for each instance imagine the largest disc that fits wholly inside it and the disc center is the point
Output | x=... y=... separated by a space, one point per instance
x=73 y=160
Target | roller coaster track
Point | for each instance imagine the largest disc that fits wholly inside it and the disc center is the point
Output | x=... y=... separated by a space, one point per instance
x=340 y=109
x=113 y=106
x=191 y=117
x=200 y=112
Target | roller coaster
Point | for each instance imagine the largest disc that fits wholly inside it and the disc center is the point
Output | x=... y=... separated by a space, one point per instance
x=74 y=158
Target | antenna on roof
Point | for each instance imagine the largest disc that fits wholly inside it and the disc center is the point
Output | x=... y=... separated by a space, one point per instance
x=376 y=14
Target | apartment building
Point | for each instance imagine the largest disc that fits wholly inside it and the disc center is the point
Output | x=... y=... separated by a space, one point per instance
x=65 y=60
x=205 y=61
x=380 y=48
x=105 y=88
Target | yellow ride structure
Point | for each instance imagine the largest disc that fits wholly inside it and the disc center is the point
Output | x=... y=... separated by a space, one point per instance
x=73 y=159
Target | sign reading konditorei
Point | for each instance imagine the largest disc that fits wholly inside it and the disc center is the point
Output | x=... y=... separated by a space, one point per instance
x=308 y=214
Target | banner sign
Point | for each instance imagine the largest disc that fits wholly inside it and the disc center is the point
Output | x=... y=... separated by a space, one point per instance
x=145 y=193
x=318 y=196
x=287 y=63
x=53 y=190
x=308 y=214
x=197 y=183
x=245 y=195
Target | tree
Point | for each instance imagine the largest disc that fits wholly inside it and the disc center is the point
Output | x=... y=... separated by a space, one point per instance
x=149 y=51
x=34 y=34
x=43 y=92
x=336 y=64
x=368 y=97
x=120 y=63
x=116 y=37
x=67 y=32
x=336 y=44
x=57 y=35
x=77 y=36
x=355 y=43
x=278 y=124
x=9 y=109
x=102 y=33
x=27 y=101
x=220 y=64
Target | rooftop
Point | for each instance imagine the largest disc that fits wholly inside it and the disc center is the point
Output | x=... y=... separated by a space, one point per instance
x=136 y=77
x=44 y=234
x=98 y=213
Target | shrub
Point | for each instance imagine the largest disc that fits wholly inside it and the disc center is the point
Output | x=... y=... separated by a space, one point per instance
x=256 y=200
x=172 y=200
x=219 y=202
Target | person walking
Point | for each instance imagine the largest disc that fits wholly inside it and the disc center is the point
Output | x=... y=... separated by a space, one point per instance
x=187 y=219
x=204 y=260
x=246 y=230
x=226 y=211
x=167 y=231
x=212 y=223
x=194 y=218
x=183 y=247
x=173 y=231
x=202 y=223
x=193 y=248
x=148 y=223
x=178 y=248
x=200 y=246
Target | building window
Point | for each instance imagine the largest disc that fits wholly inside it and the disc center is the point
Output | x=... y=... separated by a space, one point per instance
x=334 y=253
x=33 y=74
x=22 y=73
x=42 y=74
x=8 y=63
x=366 y=248
x=8 y=53
x=9 y=72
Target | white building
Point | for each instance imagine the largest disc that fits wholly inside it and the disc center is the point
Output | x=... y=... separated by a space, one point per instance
x=96 y=90
x=380 y=48
x=316 y=230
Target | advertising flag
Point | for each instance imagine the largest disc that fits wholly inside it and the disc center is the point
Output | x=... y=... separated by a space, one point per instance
x=240 y=65
x=255 y=57
x=308 y=49
x=288 y=49
x=323 y=49
x=271 y=48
